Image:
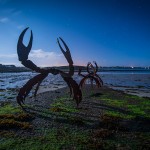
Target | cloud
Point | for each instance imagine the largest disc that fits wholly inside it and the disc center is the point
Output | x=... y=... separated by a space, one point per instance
x=4 y=20
x=40 y=57
x=9 y=59
x=20 y=27
x=10 y=63
x=44 y=59
x=42 y=54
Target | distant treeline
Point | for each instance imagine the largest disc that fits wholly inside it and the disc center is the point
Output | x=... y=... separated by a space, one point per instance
x=13 y=68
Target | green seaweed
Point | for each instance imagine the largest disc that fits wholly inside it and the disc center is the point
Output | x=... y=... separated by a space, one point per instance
x=9 y=109
x=53 y=139
x=118 y=114
x=114 y=102
x=138 y=106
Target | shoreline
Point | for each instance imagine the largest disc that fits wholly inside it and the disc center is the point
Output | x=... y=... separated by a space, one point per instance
x=55 y=90
x=131 y=91
x=44 y=89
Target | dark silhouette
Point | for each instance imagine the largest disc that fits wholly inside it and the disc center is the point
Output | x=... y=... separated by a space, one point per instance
x=23 y=52
x=91 y=75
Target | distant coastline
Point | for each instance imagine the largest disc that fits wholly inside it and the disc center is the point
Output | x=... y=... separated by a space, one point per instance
x=13 y=68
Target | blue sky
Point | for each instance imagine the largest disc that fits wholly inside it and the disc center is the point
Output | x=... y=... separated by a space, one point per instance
x=110 y=32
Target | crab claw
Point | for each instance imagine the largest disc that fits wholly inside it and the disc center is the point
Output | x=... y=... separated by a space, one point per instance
x=66 y=53
x=95 y=66
x=90 y=66
x=22 y=50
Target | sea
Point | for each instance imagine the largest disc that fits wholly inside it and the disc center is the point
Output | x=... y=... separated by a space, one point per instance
x=132 y=82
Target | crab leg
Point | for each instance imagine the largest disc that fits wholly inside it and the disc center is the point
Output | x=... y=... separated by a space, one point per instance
x=25 y=90
x=91 y=77
x=73 y=86
x=100 y=80
x=79 y=73
x=68 y=57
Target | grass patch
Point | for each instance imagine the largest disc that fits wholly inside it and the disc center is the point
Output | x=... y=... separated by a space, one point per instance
x=114 y=102
x=17 y=121
x=53 y=139
x=138 y=106
x=136 y=110
x=118 y=114
x=9 y=109
x=12 y=117
x=63 y=105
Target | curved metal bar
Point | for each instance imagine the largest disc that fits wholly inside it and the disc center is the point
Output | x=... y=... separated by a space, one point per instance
x=91 y=75
x=87 y=68
x=94 y=71
x=74 y=87
x=79 y=73
x=100 y=80
x=95 y=66
x=68 y=57
x=67 y=52
x=66 y=79
x=25 y=90
x=22 y=50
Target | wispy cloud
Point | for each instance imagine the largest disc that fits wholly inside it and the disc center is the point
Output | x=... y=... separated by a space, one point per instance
x=43 y=58
x=4 y=20
x=20 y=26
x=9 y=59
x=43 y=54
x=40 y=57
x=10 y=63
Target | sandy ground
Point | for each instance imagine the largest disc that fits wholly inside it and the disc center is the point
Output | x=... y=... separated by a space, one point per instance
x=141 y=92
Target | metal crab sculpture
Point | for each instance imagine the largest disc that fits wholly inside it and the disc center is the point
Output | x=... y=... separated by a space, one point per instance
x=92 y=75
x=23 y=52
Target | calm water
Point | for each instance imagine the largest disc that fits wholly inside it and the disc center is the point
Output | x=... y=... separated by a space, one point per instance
x=137 y=83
